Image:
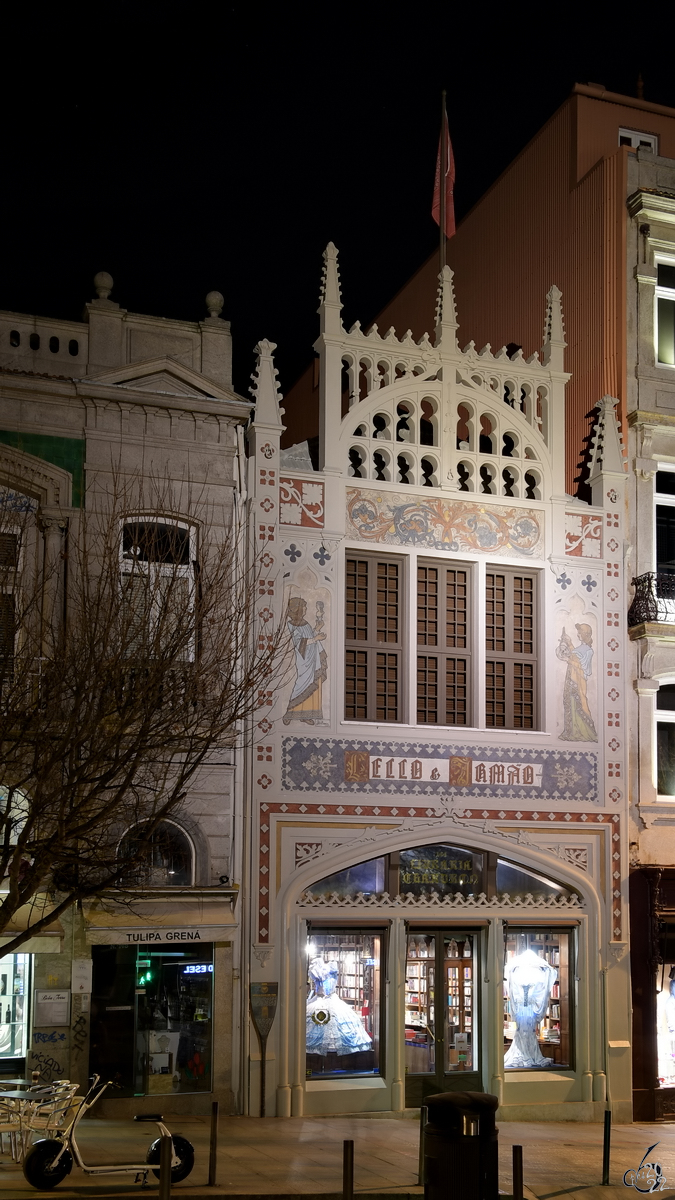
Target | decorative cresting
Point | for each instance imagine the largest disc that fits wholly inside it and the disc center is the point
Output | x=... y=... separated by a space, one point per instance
x=432 y=415
x=435 y=900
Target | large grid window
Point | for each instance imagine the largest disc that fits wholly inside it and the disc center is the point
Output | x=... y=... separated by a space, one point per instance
x=511 y=664
x=373 y=636
x=665 y=313
x=443 y=640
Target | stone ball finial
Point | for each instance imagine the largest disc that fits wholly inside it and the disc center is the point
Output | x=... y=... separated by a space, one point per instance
x=214 y=303
x=103 y=283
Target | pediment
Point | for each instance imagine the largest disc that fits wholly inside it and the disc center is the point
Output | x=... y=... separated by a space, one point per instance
x=164 y=376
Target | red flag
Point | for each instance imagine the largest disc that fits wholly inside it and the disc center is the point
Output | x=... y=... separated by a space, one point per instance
x=445 y=154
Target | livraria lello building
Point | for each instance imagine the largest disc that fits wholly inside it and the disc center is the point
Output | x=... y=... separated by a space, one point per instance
x=436 y=881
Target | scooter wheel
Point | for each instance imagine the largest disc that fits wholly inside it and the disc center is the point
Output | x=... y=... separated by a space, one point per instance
x=37 y=1165
x=184 y=1151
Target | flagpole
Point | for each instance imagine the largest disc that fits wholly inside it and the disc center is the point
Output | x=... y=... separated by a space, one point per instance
x=444 y=169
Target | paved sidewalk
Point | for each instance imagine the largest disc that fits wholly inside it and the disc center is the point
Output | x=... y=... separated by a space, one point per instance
x=303 y=1156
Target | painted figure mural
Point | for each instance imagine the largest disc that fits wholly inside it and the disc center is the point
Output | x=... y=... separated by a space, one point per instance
x=332 y=1026
x=305 y=703
x=530 y=980
x=579 y=725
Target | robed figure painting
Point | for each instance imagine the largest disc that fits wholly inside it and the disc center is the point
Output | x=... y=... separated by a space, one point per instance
x=579 y=725
x=305 y=703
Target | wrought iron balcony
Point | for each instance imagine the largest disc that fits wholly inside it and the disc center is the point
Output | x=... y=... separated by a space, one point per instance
x=654 y=599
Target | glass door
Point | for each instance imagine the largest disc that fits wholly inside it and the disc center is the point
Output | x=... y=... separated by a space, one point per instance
x=441 y=1027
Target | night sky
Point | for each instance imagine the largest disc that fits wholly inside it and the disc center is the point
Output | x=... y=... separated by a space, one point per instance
x=185 y=147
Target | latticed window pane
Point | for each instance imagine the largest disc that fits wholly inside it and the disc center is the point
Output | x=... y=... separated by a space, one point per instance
x=523 y=696
x=456 y=691
x=373 y=616
x=9 y=550
x=427 y=605
x=495 y=611
x=523 y=614
x=387 y=684
x=388 y=605
x=356 y=600
x=511 y=674
x=427 y=689
x=356 y=685
x=456 y=607
x=6 y=629
x=442 y=620
x=495 y=694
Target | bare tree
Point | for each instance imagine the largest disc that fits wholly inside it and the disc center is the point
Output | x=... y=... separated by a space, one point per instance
x=124 y=663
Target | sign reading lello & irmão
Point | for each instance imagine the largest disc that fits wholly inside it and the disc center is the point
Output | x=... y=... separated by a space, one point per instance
x=459 y=770
x=348 y=766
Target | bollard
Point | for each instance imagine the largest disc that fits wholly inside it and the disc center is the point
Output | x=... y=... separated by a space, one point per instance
x=424 y=1116
x=347 y=1171
x=213 y=1144
x=606 y=1147
x=517 y=1173
x=165 y=1156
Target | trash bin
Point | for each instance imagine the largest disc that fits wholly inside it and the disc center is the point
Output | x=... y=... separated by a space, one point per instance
x=460 y=1147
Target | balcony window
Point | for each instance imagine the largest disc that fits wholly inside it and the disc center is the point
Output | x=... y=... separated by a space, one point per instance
x=665 y=741
x=665 y=314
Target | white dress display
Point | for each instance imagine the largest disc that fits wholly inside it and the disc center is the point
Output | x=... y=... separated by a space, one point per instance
x=530 y=980
x=332 y=1026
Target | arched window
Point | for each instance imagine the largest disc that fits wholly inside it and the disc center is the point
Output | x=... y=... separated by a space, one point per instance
x=164 y=859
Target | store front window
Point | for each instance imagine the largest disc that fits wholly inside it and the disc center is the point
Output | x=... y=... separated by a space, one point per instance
x=14 y=993
x=665 y=1011
x=343 y=1003
x=537 y=1010
x=152 y=1018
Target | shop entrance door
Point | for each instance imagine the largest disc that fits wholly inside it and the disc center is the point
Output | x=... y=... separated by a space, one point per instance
x=441 y=1014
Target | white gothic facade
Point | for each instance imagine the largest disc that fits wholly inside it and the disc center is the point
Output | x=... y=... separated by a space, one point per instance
x=436 y=864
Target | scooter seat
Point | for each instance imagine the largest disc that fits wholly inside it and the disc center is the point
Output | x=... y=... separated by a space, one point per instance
x=148 y=1117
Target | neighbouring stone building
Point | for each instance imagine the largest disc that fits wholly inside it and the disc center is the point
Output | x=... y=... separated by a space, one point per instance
x=142 y=994
x=436 y=870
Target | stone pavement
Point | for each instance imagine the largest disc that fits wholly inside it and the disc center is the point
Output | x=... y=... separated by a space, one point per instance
x=303 y=1156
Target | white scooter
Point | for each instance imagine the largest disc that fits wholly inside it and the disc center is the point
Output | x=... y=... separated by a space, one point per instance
x=49 y=1161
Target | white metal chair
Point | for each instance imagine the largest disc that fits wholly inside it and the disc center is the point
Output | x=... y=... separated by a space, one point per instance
x=52 y=1116
x=10 y=1123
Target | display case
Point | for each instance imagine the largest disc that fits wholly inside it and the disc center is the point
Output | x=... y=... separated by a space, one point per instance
x=14 y=993
x=343 y=1003
x=551 y=1031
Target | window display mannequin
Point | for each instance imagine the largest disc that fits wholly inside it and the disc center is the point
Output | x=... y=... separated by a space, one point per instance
x=530 y=980
x=332 y=1025
x=665 y=1029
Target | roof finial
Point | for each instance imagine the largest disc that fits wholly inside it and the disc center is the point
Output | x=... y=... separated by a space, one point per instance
x=446 y=313
x=607 y=452
x=553 y=350
x=103 y=282
x=214 y=303
x=330 y=300
x=265 y=389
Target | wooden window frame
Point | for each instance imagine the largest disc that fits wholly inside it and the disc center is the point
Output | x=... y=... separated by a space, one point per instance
x=512 y=660
x=442 y=652
x=365 y=656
